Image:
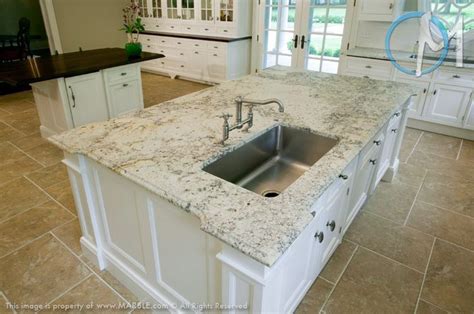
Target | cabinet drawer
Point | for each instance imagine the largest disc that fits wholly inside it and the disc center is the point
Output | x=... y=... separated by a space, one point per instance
x=165 y=41
x=216 y=46
x=225 y=31
x=455 y=76
x=207 y=29
x=216 y=57
x=189 y=29
x=120 y=74
x=125 y=97
x=148 y=47
x=371 y=68
x=171 y=27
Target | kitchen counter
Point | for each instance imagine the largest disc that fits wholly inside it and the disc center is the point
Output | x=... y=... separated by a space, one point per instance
x=68 y=65
x=164 y=148
x=403 y=56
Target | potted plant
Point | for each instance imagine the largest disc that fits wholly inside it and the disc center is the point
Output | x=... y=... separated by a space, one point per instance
x=132 y=25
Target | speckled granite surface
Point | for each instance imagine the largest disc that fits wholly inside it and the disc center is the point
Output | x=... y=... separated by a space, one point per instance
x=163 y=148
x=402 y=56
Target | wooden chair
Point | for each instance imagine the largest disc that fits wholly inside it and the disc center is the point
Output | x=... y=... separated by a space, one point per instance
x=20 y=49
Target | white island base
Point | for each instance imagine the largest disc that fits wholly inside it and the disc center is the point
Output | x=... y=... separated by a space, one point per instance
x=159 y=252
x=66 y=103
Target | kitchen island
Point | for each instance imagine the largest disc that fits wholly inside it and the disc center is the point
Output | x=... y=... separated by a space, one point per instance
x=77 y=88
x=182 y=236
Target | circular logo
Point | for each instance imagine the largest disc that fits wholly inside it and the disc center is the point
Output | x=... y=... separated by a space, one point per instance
x=412 y=15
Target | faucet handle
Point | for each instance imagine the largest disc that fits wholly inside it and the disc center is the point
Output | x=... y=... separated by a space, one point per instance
x=225 y=116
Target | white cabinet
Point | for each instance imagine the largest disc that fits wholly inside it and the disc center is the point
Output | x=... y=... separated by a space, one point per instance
x=416 y=109
x=448 y=104
x=380 y=10
x=469 y=120
x=87 y=99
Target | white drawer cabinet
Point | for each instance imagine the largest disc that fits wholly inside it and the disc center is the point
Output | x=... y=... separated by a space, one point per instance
x=204 y=60
x=380 y=10
x=448 y=104
x=360 y=67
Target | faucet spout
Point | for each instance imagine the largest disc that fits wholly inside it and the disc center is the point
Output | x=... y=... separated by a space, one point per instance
x=253 y=102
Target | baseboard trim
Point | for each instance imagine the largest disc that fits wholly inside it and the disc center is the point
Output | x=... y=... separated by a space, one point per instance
x=441 y=129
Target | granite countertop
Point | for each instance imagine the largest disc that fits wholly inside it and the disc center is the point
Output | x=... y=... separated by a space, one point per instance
x=403 y=56
x=164 y=148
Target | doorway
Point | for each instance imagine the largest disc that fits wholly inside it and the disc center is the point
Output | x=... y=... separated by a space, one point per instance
x=304 y=34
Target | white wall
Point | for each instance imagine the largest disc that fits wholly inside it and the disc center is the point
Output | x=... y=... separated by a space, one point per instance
x=90 y=24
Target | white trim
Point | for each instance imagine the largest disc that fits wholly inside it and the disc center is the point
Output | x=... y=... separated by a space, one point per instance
x=51 y=26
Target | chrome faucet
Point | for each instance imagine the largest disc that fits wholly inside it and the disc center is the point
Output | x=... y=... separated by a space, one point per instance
x=239 y=101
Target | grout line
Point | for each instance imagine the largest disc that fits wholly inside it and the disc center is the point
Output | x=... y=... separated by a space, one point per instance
x=448 y=210
x=50 y=196
x=456 y=245
x=414 y=146
x=415 y=199
x=23 y=211
x=337 y=281
x=460 y=148
x=15 y=129
x=21 y=150
x=324 y=279
x=70 y=288
x=436 y=306
x=22 y=246
x=2 y=295
x=90 y=268
x=424 y=275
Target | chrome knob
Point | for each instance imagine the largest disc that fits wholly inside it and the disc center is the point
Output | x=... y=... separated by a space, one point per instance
x=373 y=161
x=343 y=176
x=319 y=236
x=397 y=114
x=394 y=130
x=378 y=142
x=331 y=225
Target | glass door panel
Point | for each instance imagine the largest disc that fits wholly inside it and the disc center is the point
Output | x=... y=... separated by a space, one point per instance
x=207 y=10
x=325 y=27
x=279 y=33
x=172 y=9
x=144 y=12
x=157 y=9
x=225 y=10
x=187 y=9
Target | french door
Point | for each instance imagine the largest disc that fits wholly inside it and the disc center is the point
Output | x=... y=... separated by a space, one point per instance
x=303 y=34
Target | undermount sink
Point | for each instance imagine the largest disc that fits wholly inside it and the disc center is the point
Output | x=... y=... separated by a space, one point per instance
x=270 y=163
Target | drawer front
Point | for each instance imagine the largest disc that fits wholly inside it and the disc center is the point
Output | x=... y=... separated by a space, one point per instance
x=399 y=75
x=120 y=74
x=455 y=76
x=371 y=68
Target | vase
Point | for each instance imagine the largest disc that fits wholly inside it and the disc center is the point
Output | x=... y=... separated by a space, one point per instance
x=133 y=50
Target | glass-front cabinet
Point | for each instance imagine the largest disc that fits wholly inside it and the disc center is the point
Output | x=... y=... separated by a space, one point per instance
x=207 y=10
x=187 y=9
x=225 y=10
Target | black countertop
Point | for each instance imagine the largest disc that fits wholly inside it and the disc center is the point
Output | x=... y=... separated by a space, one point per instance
x=200 y=37
x=67 y=65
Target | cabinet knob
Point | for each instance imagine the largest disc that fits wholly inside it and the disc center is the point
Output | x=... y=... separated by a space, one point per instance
x=424 y=91
x=366 y=76
x=125 y=85
x=456 y=76
x=331 y=225
x=343 y=176
x=435 y=92
x=397 y=114
x=123 y=73
x=319 y=236
x=368 y=67
x=394 y=130
x=378 y=143
x=373 y=161
x=390 y=6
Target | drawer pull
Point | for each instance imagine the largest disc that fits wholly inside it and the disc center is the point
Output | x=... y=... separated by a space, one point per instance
x=365 y=76
x=123 y=73
x=182 y=66
x=196 y=53
x=206 y=29
x=390 y=6
x=181 y=54
x=196 y=45
x=319 y=236
x=343 y=176
x=215 y=47
x=378 y=143
x=179 y=43
x=157 y=25
x=373 y=161
x=456 y=76
x=125 y=85
x=188 y=28
x=424 y=91
x=226 y=31
x=171 y=26
x=148 y=39
x=397 y=114
x=394 y=130
x=435 y=92
x=331 y=225
x=215 y=55
x=368 y=67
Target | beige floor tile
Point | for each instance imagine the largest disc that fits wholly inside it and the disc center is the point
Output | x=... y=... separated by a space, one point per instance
x=8 y=133
x=442 y=145
x=374 y=284
x=412 y=134
x=315 y=298
x=113 y=282
x=5 y=306
x=16 y=169
x=17 y=106
x=39 y=272
x=25 y=95
x=426 y=308
x=4 y=113
x=392 y=201
x=443 y=224
x=90 y=291
x=48 y=176
x=405 y=245
x=467 y=151
x=19 y=195
x=30 y=224
x=46 y=153
x=29 y=141
x=62 y=193
x=70 y=234
x=437 y=164
x=447 y=192
x=9 y=153
x=26 y=122
x=449 y=281
x=409 y=174
x=334 y=268
x=410 y=139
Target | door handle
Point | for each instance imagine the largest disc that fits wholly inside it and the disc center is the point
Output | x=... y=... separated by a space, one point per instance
x=302 y=42
x=296 y=41
x=73 y=97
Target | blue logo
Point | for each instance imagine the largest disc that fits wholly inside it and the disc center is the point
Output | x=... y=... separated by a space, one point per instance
x=412 y=15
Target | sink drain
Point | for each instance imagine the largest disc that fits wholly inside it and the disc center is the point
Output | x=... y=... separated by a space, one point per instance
x=271 y=193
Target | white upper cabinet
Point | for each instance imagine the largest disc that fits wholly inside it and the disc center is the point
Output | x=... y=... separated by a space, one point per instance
x=448 y=104
x=380 y=10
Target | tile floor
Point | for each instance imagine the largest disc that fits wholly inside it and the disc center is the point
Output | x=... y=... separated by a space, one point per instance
x=409 y=250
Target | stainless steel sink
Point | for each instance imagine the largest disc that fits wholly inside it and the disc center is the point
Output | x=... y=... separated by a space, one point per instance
x=271 y=162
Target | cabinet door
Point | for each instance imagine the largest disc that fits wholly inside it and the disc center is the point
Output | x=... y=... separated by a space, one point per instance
x=225 y=11
x=469 y=120
x=125 y=97
x=448 y=104
x=377 y=10
x=156 y=9
x=391 y=135
x=87 y=99
x=416 y=110
x=207 y=11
